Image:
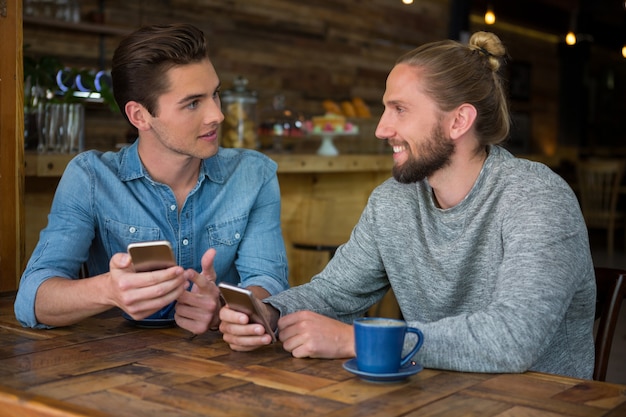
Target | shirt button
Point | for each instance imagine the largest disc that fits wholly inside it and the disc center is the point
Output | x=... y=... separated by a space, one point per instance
x=132 y=230
x=185 y=242
x=237 y=235
x=173 y=207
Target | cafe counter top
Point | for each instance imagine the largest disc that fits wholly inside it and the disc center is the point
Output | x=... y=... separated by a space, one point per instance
x=53 y=165
x=105 y=366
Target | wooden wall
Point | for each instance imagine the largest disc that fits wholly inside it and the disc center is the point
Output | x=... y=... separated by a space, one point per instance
x=307 y=51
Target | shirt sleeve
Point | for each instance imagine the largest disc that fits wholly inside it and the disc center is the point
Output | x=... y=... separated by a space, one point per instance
x=261 y=258
x=63 y=244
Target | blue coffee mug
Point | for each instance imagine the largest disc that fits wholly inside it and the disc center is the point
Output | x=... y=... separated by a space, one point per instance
x=379 y=342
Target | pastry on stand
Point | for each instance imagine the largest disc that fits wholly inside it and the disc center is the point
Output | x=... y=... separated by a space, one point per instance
x=329 y=127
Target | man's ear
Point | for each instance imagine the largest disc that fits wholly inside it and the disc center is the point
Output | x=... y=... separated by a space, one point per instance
x=464 y=118
x=138 y=115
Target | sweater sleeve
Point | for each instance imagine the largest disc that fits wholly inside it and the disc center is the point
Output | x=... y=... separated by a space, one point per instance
x=348 y=286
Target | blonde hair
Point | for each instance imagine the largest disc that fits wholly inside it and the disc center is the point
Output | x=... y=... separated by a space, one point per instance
x=455 y=73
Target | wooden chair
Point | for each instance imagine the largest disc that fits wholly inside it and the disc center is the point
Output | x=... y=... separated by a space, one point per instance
x=598 y=186
x=611 y=284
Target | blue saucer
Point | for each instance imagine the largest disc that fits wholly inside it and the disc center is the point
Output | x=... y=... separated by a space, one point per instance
x=406 y=371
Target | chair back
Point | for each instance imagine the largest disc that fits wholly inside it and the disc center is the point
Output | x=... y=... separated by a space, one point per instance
x=598 y=185
x=611 y=289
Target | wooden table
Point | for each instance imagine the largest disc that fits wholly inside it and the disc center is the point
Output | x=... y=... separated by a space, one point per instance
x=105 y=366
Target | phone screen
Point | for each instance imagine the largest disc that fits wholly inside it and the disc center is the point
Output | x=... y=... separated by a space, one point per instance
x=243 y=300
x=152 y=255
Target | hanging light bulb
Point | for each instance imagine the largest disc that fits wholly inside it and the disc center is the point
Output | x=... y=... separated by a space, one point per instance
x=490 y=17
x=624 y=51
x=407 y=1
x=570 y=38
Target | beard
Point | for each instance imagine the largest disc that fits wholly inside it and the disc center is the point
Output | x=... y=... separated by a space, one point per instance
x=434 y=154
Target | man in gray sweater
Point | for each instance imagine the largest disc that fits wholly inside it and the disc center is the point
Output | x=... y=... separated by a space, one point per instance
x=486 y=253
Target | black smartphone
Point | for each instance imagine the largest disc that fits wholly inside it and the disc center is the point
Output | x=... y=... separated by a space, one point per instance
x=244 y=300
x=152 y=255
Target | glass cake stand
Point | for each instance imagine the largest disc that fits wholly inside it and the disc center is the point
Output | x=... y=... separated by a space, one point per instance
x=327 y=147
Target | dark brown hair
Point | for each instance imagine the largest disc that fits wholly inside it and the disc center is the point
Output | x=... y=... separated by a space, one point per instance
x=456 y=73
x=143 y=57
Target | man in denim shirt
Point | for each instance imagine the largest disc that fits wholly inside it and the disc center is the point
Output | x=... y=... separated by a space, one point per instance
x=220 y=208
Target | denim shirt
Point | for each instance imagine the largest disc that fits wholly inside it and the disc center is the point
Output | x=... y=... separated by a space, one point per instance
x=104 y=201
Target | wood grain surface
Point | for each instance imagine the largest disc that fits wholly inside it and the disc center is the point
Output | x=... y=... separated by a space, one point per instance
x=107 y=366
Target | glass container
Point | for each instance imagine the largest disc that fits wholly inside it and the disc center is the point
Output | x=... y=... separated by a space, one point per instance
x=239 y=105
x=281 y=126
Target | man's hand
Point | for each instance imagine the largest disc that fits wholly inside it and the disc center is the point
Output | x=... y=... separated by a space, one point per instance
x=310 y=335
x=141 y=294
x=197 y=310
x=240 y=334
x=304 y=333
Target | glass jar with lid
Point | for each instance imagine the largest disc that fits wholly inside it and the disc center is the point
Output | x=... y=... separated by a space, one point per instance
x=239 y=105
x=281 y=127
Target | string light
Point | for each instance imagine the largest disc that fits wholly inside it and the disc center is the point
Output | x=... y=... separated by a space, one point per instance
x=570 y=38
x=490 y=17
x=624 y=51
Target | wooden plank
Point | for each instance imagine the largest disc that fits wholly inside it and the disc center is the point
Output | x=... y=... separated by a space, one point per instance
x=19 y=403
x=98 y=29
x=11 y=147
x=426 y=387
x=275 y=378
x=300 y=163
x=530 y=392
x=52 y=165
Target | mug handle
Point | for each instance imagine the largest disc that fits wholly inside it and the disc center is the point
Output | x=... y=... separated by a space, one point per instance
x=418 y=345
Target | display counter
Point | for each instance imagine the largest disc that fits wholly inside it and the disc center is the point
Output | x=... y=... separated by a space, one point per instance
x=322 y=200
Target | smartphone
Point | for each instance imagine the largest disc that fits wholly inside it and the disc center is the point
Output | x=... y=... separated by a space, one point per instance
x=152 y=255
x=244 y=300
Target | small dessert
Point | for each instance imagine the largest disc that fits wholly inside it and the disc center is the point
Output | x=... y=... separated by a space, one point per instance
x=332 y=123
x=331 y=106
x=362 y=110
x=349 y=108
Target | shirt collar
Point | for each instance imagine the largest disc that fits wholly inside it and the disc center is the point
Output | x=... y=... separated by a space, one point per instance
x=131 y=168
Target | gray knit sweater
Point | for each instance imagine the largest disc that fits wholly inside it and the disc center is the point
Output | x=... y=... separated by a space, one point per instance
x=502 y=282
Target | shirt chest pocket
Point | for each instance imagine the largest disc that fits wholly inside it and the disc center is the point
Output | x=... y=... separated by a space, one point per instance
x=228 y=233
x=119 y=235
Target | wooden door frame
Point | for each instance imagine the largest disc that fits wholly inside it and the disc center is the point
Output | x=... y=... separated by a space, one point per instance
x=11 y=145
